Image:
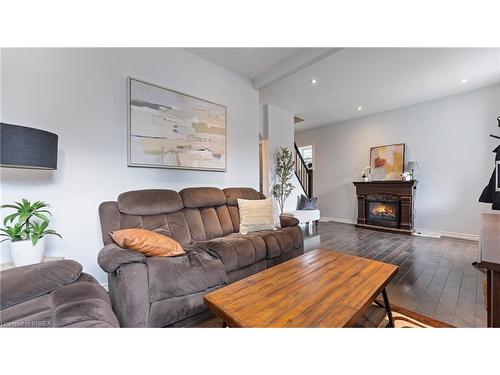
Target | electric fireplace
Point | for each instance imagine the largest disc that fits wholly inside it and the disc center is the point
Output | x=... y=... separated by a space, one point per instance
x=386 y=205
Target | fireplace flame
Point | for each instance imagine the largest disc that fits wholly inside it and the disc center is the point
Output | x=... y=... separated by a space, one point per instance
x=383 y=210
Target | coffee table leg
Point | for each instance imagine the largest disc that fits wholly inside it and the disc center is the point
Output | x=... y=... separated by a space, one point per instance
x=388 y=308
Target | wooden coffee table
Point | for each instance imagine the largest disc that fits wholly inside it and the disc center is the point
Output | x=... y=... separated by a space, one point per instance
x=322 y=288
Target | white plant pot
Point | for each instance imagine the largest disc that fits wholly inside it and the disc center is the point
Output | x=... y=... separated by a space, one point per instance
x=24 y=253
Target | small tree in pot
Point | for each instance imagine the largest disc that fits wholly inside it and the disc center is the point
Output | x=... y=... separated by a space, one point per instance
x=283 y=174
x=27 y=230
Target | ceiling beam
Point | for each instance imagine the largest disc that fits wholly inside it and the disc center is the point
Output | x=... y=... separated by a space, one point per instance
x=292 y=64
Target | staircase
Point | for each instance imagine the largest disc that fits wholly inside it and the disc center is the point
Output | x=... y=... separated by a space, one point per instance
x=303 y=172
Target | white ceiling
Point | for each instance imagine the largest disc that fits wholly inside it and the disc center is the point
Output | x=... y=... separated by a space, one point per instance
x=380 y=79
x=249 y=62
x=377 y=79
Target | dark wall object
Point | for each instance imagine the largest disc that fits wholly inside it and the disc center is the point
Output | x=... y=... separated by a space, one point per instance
x=491 y=193
x=23 y=147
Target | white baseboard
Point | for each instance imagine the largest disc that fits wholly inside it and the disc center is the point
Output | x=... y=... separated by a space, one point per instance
x=418 y=231
x=337 y=220
x=441 y=233
x=425 y=233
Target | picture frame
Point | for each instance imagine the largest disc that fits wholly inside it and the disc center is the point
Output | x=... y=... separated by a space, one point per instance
x=387 y=162
x=170 y=129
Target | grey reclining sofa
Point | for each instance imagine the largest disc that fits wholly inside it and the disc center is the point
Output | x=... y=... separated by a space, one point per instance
x=53 y=294
x=163 y=291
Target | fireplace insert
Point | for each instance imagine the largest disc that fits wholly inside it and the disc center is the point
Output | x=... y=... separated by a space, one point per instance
x=383 y=213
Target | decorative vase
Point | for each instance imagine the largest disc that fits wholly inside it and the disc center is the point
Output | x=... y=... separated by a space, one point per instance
x=24 y=253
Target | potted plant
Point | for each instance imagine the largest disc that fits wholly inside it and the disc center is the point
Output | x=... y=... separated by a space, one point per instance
x=26 y=229
x=284 y=169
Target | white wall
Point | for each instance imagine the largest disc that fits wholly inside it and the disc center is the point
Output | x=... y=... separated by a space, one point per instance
x=80 y=94
x=278 y=130
x=448 y=137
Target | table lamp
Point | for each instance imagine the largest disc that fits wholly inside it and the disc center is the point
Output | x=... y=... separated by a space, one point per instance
x=413 y=166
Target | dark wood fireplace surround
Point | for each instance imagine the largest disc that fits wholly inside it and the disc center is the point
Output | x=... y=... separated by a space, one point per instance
x=390 y=191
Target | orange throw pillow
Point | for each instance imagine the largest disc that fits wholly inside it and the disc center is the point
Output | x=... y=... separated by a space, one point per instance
x=147 y=242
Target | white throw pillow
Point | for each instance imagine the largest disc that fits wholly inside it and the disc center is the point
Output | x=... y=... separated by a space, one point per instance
x=255 y=215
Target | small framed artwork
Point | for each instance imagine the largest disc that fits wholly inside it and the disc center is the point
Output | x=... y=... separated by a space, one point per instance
x=387 y=162
x=169 y=129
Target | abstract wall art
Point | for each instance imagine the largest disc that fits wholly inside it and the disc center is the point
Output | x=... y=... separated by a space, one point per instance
x=168 y=129
x=387 y=162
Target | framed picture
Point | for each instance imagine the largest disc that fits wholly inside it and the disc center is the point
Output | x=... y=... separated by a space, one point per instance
x=168 y=129
x=387 y=162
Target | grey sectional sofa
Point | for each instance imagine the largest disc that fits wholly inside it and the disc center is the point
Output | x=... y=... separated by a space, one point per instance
x=53 y=294
x=159 y=291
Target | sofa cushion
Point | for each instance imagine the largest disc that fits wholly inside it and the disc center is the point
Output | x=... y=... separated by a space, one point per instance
x=234 y=214
x=20 y=284
x=208 y=222
x=33 y=313
x=296 y=233
x=193 y=272
x=236 y=250
x=147 y=242
x=83 y=303
x=277 y=241
x=211 y=222
x=171 y=224
x=202 y=197
x=233 y=194
x=149 y=202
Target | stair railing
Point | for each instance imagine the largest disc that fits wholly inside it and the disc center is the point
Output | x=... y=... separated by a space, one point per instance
x=303 y=172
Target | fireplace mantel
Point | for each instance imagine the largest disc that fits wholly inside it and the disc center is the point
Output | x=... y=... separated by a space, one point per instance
x=404 y=191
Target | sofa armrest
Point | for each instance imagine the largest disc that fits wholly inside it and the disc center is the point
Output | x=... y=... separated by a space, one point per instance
x=21 y=284
x=288 y=221
x=111 y=257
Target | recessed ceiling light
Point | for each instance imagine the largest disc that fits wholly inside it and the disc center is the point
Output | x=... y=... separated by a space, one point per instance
x=464 y=80
x=359 y=108
x=314 y=81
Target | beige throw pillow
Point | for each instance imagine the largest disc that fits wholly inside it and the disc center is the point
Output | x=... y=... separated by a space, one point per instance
x=255 y=215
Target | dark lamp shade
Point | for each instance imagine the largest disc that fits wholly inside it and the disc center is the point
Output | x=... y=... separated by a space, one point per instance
x=23 y=147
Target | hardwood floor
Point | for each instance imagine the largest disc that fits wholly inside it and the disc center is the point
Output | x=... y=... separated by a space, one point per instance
x=435 y=275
